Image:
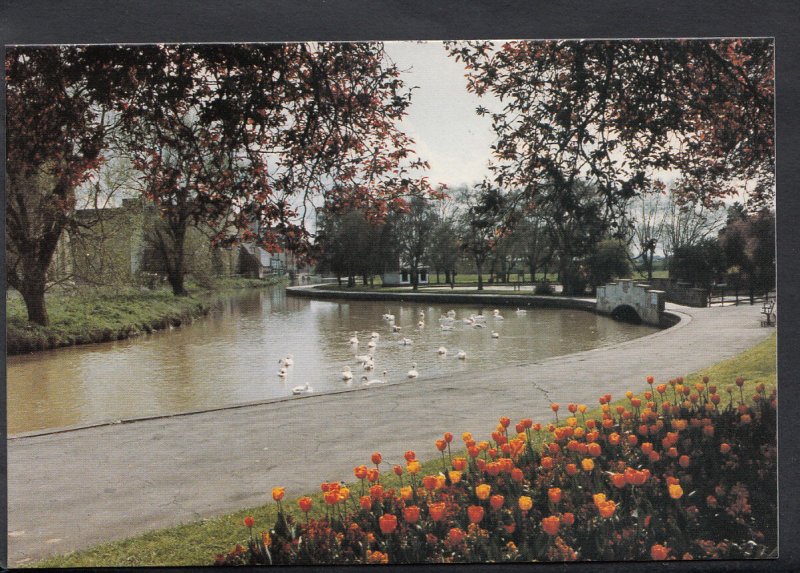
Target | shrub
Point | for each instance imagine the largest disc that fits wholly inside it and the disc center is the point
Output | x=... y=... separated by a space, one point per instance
x=682 y=473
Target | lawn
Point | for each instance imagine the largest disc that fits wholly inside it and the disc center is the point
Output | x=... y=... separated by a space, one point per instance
x=197 y=543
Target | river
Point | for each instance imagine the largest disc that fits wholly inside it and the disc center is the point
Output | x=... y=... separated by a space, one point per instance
x=232 y=356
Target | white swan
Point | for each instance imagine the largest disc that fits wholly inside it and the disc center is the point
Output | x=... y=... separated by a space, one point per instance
x=283 y=372
x=413 y=372
x=371 y=343
x=451 y=314
x=289 y=360
x=469 y=321
x=363 y=358
x=442 y=351
x=446 y=327
x=354 y=338
x=396 y=328
x=374 y=336
x=422 y=314
x=479 y=325
x=346 y=373
x=421 y=324
x=461 y=355
x=389 y=317
x=496 y=315
x=305 y=389
x=477 y=317
x=369 y=365
x=495 y=334
x=405 y=341
x=366 y=382
x=521 y=311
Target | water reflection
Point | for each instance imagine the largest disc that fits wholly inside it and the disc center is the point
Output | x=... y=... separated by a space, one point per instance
x=233 y=356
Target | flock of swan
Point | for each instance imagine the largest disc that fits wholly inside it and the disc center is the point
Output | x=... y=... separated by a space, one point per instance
x=367 y=361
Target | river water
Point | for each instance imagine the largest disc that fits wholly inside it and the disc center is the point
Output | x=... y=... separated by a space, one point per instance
x=233 y=355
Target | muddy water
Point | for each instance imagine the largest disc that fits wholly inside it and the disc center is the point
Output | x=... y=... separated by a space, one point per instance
x=233 y=356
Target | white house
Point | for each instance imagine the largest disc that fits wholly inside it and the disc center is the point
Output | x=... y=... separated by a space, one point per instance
x=402 y=276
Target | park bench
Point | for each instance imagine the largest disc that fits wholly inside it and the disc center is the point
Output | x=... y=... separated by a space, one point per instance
x=766 y=310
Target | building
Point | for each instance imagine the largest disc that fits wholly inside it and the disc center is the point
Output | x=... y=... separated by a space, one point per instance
x=402 y=276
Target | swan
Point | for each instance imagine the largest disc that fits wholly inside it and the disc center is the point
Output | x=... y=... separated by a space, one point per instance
x=442 y=351
x=354 y=338
x=413 y=372
x=495 y=334
x=496 y=315
x=371 y=343
x=346 y=373
x=521 y=311
x=389 y=317
x=469 y=321
x=362 y=358
x=374 y=336
x=421 y=324
x=367 y=382
x=479 y=325
x=289 y=360
x=405 y=341
x=305 y=389
x=422 y=314
x=369 y=365
x=461 y=355
x=477 y=317
x=395 y=328
x=451 y=314
x=447 y=327
x=283 y=372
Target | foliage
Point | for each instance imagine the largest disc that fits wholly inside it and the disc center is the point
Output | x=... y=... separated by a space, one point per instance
x=482 y=223
x=413 y=229
x=749 y=245
x=686 y=472
x=700 y=264
x=610 y=260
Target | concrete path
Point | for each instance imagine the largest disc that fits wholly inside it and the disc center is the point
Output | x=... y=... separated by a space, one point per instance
x=72 y=490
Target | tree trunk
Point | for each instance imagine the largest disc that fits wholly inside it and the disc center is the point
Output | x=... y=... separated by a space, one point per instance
x=33 y=294
x=446 y=276
x=480 y=275
x=414 y=276
x=437 y=276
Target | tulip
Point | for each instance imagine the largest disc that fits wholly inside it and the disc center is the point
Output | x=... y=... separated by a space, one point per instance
x=455 y=536
x=331 y=497
x=278 y=493
x=455 y=476
x=475 y=513
x=607 y=509
x=410 y=456
x=376 y=458
x=547 y=463
x=406 y=492
x=441 y=445
x=504 y=421
x=618 y=480
x=675 y=491
x=658 y=552
x=724 y=448
x=587 y=464
x=459 y=464
x=632 y=440
x=429 y=482
x=554 y=494
x=360 y=472
x=448 y=437
x=398 y=470
x=572 y=469
x=373 y=474
x=517 y=475
x=684 y=461
x=365 y=502
x=594 y=449
x=376 y=491
x=551 y=524
x=305 y=503
x=568 y=518
x=482 y=491
x=413 y=467
x=249 y=521
x=411 y=514
x=525 y=503
x=388 y=523
x=437 y=510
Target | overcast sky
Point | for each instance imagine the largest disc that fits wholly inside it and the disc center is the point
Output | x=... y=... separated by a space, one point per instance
x=442 y=119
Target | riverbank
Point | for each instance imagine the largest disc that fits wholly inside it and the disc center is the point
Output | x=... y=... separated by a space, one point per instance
x=185 y=469
x=196 y=543
x=106 y=314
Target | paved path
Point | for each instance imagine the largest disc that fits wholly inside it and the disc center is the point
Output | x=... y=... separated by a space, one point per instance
x=75 y=489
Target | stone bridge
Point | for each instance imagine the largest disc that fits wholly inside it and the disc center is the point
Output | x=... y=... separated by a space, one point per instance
x=631 y=301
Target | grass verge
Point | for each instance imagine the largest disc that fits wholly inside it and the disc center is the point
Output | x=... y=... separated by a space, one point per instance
x=197 y=543
x=105 y=314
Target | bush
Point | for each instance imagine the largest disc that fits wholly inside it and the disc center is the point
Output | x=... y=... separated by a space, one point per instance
x=682 y=473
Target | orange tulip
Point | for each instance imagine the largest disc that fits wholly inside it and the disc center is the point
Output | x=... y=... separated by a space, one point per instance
x=568 y=518
x=406 y=492
x=483 y=491
x=554 y=494
x=437 y=510
x=360 y=472
x=411 y=514
x=249 y=521
x=376 y=491
x=587 y=464
x=455 y=476
x=572 y=408
x=658 y=552
x=572 y=469
x=331 y=497
x=459 y=464
x=516 y=475
x=504 y=421
x=475 y=513
x=410 y=456
x=278 y=493
x=607 y=509
x=724 y=448
x=429 y=482
x=619 y=480
x=376 y=458
x=684 y=461
x=496 y=501
x=305 y=503
x=594 y=449
x=525 y=503
x=373 y=474
x=551 y=524
x=547 y=462
x=413 y=467
x=448 y=437
x=675 y=491
x=388 y=523
x=365 y=502
x=441 y=445
x=398 y=470
x=455 y=536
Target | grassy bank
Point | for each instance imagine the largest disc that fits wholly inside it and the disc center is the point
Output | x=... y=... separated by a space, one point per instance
x=197 y=543
x=111 y=313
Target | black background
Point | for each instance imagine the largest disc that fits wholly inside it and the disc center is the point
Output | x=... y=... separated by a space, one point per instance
x=148 y=21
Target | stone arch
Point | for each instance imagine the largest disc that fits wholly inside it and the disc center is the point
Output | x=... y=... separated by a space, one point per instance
x=626 y=313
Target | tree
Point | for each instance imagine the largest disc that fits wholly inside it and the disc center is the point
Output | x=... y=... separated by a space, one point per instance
x=610 y=112
x=748 y=242
x=687 y=222
x=610 y=260
x=413 y=230
x=701 y=264
x=443 y=248
x=244 y=137
x=646 y=214
x=56 y=101
x=482 y=223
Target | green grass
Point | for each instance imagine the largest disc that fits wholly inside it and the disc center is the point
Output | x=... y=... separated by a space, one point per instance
x=109 y=313
x=197 y=543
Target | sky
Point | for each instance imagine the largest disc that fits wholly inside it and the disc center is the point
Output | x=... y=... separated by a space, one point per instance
x=441 y=119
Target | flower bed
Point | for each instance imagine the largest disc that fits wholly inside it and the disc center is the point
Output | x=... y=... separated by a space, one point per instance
x=683 y=472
